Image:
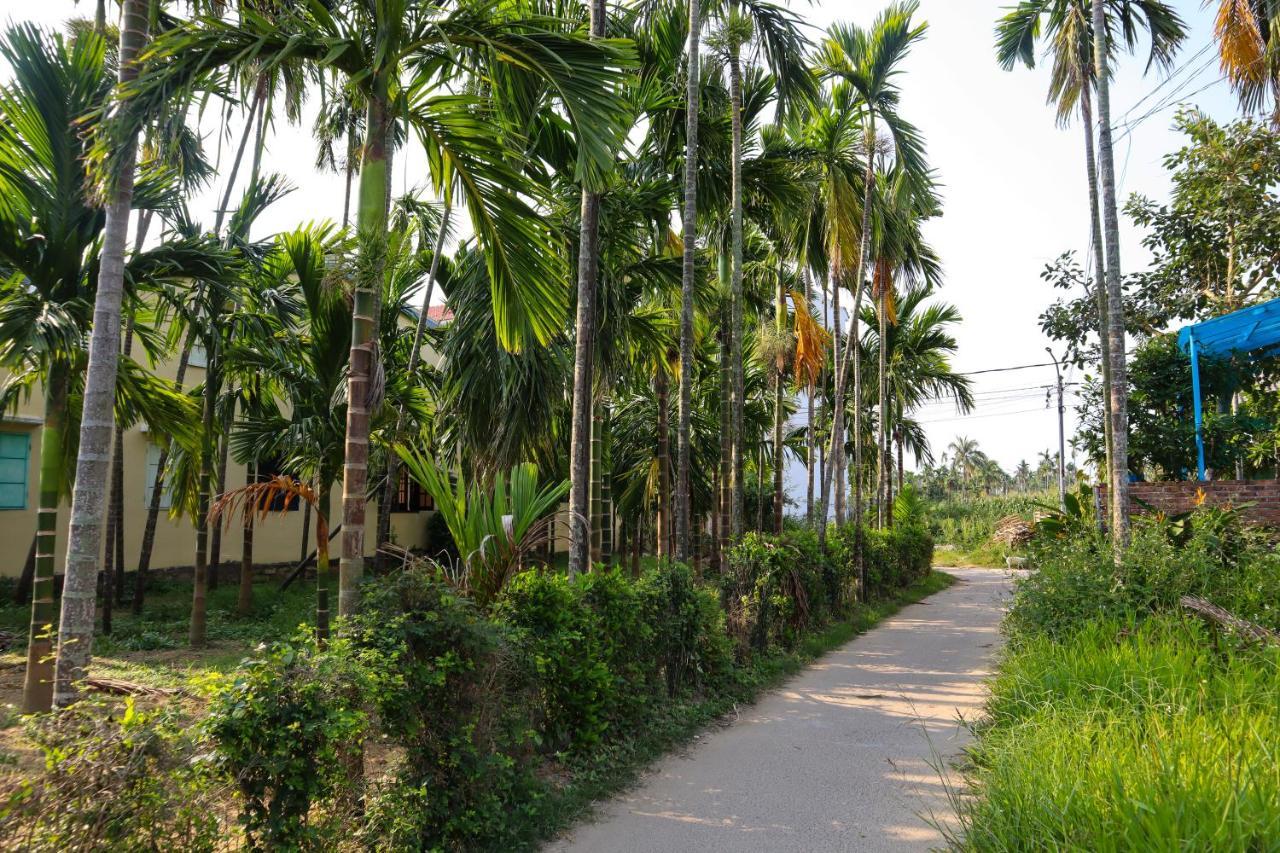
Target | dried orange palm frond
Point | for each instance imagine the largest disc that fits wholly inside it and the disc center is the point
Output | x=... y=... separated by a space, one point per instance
x=1240 y=43
x=812 y=341
x=257 y=499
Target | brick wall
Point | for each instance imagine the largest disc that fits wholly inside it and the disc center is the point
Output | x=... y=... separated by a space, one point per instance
x=1175 y=497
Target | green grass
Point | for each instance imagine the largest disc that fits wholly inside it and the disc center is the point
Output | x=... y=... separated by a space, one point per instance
x=616 y=765
x=1154 y=737
x=151 y=648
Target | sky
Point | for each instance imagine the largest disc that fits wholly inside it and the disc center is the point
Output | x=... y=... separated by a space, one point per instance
x=1013 y=185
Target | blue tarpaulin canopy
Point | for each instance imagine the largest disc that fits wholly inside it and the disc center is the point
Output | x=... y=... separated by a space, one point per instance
x=1247 y=330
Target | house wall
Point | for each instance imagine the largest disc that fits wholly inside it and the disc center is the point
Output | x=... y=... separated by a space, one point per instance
x=276 y=540
x=1181 y=496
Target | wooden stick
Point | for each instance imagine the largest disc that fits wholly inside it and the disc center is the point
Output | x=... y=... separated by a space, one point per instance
x=1215 y=615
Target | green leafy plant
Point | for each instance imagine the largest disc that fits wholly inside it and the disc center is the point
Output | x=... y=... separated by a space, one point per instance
x=1075 y=516
x=492 y=529
x=279 y=725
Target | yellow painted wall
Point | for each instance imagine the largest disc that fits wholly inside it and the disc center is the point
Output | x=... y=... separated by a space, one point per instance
x=277 y=540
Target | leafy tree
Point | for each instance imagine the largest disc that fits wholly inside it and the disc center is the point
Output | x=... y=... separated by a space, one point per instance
x=50 y=239
x=1214 y=245
x=1163 y=425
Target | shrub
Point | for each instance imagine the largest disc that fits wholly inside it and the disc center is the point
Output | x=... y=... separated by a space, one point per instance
x=553 y=632
x=1078 y=579
x=772 y=590
x=624 y=626
x=280 y=726
x=449 y=700
x=691 y=644
x=116 y=779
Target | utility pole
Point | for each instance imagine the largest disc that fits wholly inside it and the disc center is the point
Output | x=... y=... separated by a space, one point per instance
x=1062 y=437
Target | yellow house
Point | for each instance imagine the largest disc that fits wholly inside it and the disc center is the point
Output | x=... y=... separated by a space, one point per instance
x=276 y=540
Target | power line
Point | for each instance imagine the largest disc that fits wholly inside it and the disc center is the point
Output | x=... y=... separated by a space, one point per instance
x=1005 y=369
x=989 y=415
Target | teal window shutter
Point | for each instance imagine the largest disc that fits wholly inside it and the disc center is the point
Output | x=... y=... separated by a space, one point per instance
x=15 y=458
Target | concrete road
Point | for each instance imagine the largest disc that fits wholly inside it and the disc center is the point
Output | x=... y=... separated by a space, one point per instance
x=843 y=757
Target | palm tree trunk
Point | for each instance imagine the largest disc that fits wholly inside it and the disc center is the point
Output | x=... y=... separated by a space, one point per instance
x=899 y=436
x=117 y=511
x=200 y=573
x=835 y=457
x=1099 y=264
x=663 y=392
x=781 y=319
x=157 y=491
x=249 y=128
x=372 y=238
x=322 y=560
x=715 y=518
x=606 y=493
x=349 y=169
x=22 y=589
x=306 y=531
x=725 y=497
x=115 y=517
x=1115 y=301
x=597 y=464
x=809 y=456
x=882 y=447
x=887 y=456
x=75 y=636
x=220 y=483
x=37 y=688
x=582 y=543
x=693 y=97
x=415 y=356
x=107 y=580
x=244 y=599
x=637 y=534
x=735 y=100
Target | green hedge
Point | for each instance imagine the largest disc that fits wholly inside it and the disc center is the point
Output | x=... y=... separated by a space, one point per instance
x=484 y=714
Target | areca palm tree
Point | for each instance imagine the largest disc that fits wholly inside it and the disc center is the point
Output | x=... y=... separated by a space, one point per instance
x=50 y=239
x=400 y=57
x=967 y=458
x=779 y=32
x=1067 y=25
x=902 y=257
x=916 y=362
x=89 y=496
x=869 y=61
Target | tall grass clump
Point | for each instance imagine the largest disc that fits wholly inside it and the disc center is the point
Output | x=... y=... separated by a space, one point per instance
x=1154 y=737
x=1118 y=722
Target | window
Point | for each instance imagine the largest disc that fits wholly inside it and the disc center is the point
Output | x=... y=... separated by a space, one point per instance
x=198 y=357
x=153 y=463
x=269 y=469
x=410 y=497
x=15 y=454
